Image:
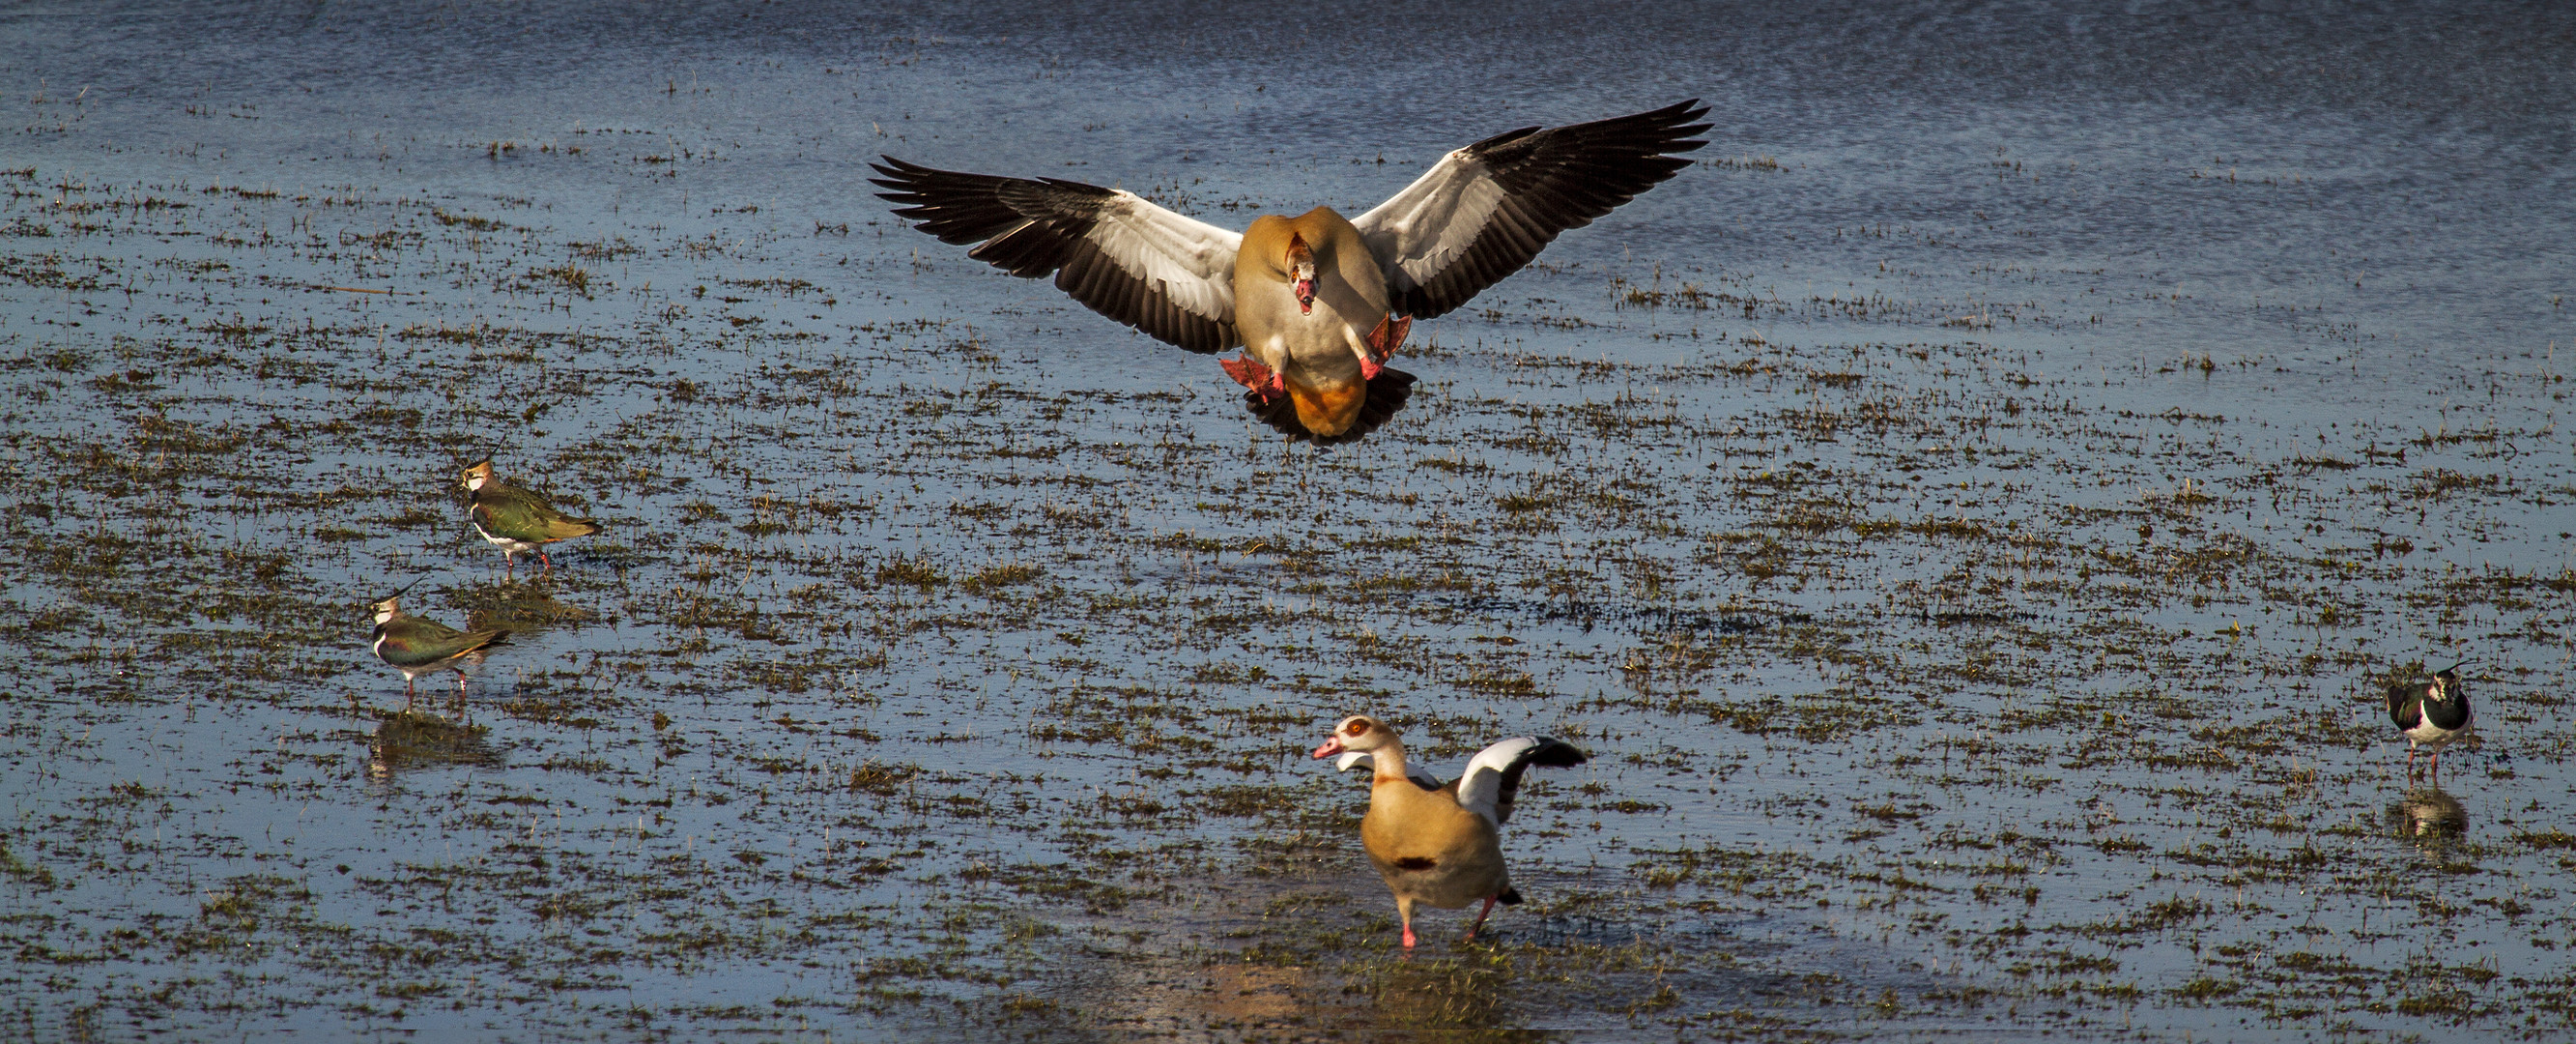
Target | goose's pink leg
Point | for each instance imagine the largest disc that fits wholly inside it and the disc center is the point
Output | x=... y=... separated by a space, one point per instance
x=1480 y=919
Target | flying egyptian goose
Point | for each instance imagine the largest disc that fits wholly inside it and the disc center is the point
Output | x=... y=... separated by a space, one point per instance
x=1435 y=843
x=516 y=520
x=417 y=645
x=1318 y=301
x=2431 y=713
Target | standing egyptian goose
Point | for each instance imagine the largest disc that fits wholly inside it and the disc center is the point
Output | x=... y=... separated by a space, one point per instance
x=1435 y=843
x=2431 y=714
x=418 y=645
x=516 y=520
x=1317 y=302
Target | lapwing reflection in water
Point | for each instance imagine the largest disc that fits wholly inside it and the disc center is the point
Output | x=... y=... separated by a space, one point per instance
x=2433 y=820
x=518 y=607
x=406 y=739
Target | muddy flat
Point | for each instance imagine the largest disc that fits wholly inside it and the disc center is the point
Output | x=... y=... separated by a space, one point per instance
x=1969 y=516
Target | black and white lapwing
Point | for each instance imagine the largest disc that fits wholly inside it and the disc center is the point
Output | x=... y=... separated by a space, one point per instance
x=2431 y=713
x=1440 y=843
x=417 y=645
x=517 y=520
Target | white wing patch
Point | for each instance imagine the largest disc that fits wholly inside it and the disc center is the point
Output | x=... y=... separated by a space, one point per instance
x=1481 y=790
x=1189 y=262
x=1425 y=228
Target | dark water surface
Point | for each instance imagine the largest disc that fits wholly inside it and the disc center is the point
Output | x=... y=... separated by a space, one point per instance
x=1968 y=516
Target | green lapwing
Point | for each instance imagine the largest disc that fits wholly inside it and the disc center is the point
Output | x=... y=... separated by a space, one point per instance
x=417 y=646
x=1440 y=843
x=516 y=520
x=2431 y=713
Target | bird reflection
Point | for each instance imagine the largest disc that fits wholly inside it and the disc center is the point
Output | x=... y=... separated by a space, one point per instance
x=408 y=739
x=1218 y=1002
x=2435 y=821
x=1442 y=996
x=1400 y=999
x=517 y=606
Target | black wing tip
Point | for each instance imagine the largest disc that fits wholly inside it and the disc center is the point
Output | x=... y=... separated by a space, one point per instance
x=1554 y=753
x=1504 y=138
x=901 y=173
x=1387 y=393
x=1509 y=897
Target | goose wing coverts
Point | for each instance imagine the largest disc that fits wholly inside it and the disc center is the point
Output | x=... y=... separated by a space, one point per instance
x=1117 y=253
x=1484 y=211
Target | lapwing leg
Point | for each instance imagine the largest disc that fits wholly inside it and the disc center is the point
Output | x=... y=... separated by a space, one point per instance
x=550 y=563
x=1480 y=919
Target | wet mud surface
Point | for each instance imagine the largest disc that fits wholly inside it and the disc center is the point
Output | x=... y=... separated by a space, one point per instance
x=1968 y=517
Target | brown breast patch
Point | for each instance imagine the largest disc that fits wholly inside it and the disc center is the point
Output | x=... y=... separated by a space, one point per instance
x=1416 y=863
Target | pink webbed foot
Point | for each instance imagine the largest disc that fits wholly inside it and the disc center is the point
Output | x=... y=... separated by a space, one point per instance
x=1408 y=937
x=1382 y=343
x=1250 y=373
x=1389 y=335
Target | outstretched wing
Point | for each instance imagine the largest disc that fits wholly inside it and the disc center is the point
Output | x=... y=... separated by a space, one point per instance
x=1485 y=210
x=1167 y=275
x=1494 y=774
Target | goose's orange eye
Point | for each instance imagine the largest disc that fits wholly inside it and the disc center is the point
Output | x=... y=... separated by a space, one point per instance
x=1357 y=728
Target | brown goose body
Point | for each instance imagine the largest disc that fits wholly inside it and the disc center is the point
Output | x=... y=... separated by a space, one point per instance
x=1429 y=848
x=1315 y=345
x=1440 y=843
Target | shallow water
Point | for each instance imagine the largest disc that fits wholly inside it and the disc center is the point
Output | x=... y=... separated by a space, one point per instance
x=1967 y=517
